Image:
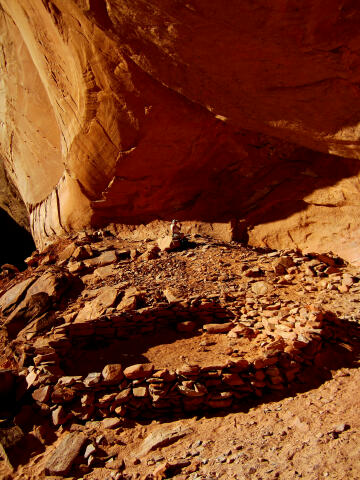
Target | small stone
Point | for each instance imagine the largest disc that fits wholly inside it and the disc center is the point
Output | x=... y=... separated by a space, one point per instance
x=115 y=464
x=172 y=295
x=65 y=254
x=254 y=272
x=133 y=299
x=347 y=280
x=260 y=288
x=120 y=411
x=218 y=327
x=90 y=449
x=42 y=394
x=76 y=267
x=140 y=392
x=60 y=416
x=112 y=373
x=342 y=427
x=100 y=440
x=104 y=272
x=123 y=396
x=188 y=370
x=82 y=252
x=104 y=258
x=67 y=381
x=13 y=296
x=92 y=379
x=140 y=370
x=111 y=422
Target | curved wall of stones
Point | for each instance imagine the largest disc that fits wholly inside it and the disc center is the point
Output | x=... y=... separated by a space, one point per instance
x=145 y=391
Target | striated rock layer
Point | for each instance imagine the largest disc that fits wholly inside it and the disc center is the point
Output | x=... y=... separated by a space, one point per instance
x=240 y=118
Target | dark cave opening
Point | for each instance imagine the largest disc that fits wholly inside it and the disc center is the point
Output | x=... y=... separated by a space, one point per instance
x=16 y=242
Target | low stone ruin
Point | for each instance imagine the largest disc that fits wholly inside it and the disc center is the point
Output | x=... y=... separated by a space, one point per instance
x=47 y=329
x=290 y=345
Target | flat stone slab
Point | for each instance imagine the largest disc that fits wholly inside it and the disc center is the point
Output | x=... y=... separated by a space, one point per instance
x=61 y=460
x=162 y=438
x=105 y=258
x=218 y=327
x=111 y=422
x=15 y=294
x=106 y=297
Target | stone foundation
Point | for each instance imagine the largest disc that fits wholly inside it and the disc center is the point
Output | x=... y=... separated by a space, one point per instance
x=144 y=391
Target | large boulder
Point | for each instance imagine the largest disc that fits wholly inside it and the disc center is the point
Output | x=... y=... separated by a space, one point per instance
x=38 y=296
x=13 y=296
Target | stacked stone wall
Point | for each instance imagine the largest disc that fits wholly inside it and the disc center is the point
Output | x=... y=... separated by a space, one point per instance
x=144 y=391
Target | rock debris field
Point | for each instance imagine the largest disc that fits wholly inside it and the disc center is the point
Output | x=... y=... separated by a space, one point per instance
x=138 y=360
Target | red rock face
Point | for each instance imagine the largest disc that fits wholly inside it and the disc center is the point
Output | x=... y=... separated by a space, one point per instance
x=210 y=112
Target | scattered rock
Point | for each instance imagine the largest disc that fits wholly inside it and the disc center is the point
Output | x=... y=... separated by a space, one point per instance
x=92 y=379
x=42 y=394
x=260 y=288
x=66 y=253
x=106 y=298
x=172 y=295
x=62 y=459
x=105 y=258
x=133 y=298
x=341 y=427
x=162 y=438
x=167 y=244
x=104 y=272
x=113 y=422
x=218 y=327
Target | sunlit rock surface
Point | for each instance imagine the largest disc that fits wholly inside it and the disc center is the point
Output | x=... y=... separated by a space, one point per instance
x=240 y=118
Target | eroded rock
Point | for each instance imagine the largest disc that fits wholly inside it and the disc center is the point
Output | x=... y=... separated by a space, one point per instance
x=40 y=296
x=62 y=459
x=106 y=297
x=163 y=437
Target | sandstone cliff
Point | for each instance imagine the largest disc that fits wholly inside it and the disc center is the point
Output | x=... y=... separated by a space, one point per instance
x=219 y=113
